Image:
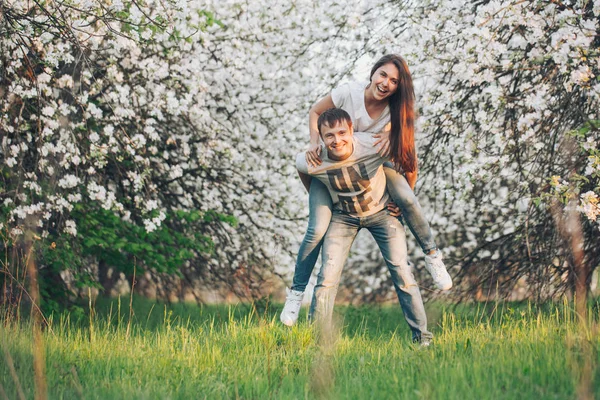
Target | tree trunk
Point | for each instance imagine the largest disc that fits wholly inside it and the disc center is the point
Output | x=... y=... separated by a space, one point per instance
x=107 y=276
x=581 y=269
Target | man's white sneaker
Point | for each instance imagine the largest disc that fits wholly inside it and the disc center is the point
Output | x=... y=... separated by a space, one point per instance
x=293 y=301
x=423 y=341
x=437 y=269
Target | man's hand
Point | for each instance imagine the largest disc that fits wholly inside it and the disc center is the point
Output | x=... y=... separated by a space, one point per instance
x=394 y=209
x=313 y=155
x=384 y=143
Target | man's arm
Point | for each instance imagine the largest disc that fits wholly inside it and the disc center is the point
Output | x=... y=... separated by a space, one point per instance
x=306 y=179
x=302 y=167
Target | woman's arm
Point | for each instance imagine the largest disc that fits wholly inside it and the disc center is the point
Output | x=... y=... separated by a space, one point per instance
x=313 y=155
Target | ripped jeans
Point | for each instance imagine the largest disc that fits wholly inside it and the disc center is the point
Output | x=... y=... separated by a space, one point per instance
x=389 y=234
x=319 y=204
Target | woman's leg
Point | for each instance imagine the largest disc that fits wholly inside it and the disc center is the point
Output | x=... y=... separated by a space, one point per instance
x=319 y=203
x=412 y=212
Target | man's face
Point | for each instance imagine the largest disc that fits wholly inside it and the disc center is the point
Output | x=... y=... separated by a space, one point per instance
x=338 y=140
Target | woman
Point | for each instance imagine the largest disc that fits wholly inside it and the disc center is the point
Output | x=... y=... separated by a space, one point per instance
x=385 y=107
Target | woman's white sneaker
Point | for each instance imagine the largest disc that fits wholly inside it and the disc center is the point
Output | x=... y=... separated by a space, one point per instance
x=437 y=269
x=290 y=312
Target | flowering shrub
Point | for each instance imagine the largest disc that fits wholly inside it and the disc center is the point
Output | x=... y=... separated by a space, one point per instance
x=509 y=96
x=140 y=111
x=143 y=112
x=504 y=86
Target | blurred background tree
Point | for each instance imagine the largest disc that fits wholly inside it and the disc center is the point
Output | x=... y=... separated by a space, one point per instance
x=156 y=138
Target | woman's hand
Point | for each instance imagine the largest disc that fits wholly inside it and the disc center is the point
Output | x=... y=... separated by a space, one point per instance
x=313 y=155
x=394 y=209
x=383 y=143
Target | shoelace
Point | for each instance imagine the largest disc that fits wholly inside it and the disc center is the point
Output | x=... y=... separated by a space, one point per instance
x=292 y=300
x=293 y=310
x=436 y=269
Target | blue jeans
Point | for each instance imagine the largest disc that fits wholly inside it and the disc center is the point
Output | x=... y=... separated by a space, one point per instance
x=320 y=206
x=389 y=234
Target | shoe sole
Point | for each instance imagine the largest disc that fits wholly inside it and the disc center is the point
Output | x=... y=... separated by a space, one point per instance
x=288 y=322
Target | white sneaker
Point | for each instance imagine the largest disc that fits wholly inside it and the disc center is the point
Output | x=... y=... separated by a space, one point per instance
x=437 y=269
x=293 y=301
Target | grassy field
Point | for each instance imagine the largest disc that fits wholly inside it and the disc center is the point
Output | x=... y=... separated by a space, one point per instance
x=493 y=351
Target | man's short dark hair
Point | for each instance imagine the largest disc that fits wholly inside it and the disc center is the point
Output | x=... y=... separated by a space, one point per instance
x=332 y=117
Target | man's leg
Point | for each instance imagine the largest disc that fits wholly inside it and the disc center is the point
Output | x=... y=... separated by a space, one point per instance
x=336 y=246
x=319 y=201
x=391 y=239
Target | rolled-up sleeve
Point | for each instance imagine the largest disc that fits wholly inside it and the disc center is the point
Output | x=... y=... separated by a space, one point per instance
x=301 y=164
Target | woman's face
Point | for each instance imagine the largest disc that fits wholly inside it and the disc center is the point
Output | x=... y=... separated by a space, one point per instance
x=384 y=81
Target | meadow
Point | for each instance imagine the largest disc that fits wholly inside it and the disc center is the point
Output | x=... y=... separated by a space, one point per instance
x=184 y=351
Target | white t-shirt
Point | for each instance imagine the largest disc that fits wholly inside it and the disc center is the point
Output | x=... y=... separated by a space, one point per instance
x=356 y=184
x=351 y=98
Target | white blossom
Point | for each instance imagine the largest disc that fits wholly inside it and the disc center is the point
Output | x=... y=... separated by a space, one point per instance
x=48 y=111
x=590 y=205
x=16 y=232
x=68 y=182
x=70 y=228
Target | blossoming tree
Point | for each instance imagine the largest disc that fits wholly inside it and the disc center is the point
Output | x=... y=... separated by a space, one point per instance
x=159 y=134
x=510 y=126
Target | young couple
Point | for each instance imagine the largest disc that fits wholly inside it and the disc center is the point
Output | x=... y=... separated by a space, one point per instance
x=356 y=173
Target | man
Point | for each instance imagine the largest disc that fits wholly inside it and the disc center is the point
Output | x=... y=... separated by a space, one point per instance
x=352 y=171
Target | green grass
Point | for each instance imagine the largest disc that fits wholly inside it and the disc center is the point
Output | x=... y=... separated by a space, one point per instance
x=498 y=351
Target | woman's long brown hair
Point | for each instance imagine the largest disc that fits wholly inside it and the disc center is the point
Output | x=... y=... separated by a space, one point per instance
x=402 y=115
